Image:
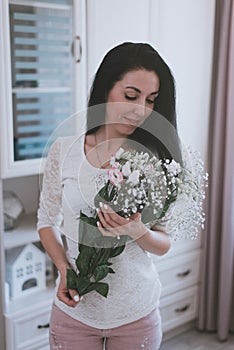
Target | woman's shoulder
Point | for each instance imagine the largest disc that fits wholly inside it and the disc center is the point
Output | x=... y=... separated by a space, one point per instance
x=90 y=140
x=66 y=146
x=67 y=142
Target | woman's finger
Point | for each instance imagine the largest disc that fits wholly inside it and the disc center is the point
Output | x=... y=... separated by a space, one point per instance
x=74 y=295
x=107 y=216
x=104 y=231
x=64 y=296
x=102 y=219
x=111 y=217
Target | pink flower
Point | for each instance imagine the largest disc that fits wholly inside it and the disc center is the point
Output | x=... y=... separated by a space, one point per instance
x=115 y=176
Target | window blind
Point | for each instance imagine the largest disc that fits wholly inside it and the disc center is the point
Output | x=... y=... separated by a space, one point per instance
x=42 y=70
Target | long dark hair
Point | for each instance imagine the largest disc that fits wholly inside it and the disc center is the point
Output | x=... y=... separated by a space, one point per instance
x=159 y=131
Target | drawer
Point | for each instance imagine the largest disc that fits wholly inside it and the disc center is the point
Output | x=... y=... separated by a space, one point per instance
x=39 y=346
x=179 y=272
x=179 y=308
x=184 y=245
x=180 y=247
x=30 y=331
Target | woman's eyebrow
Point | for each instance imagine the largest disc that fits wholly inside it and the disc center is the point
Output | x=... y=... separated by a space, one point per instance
x=139 y=91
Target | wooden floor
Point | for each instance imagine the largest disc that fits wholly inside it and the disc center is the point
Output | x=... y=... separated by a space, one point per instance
x=194 y=340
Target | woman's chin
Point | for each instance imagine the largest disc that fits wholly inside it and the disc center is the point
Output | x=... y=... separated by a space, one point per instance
x=128 y=128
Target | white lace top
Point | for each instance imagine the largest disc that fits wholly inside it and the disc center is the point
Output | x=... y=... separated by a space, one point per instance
x=70 y=183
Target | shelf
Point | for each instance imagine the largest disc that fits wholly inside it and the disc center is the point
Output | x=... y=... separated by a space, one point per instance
x=24 y=233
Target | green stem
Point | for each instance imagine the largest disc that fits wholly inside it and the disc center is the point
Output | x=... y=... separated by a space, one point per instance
x=95 y=263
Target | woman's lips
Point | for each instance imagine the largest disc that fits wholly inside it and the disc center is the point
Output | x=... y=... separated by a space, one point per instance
x=131 y=121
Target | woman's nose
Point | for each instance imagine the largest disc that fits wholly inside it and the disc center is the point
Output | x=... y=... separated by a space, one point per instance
x=139 y=109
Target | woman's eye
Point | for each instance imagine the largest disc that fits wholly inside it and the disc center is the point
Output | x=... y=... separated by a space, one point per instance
x=150 y=101
x=131 y=98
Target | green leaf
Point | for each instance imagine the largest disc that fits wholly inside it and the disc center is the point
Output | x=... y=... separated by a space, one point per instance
x=117 y=251
x=147 y=214
x=84 y=258
x=71 y=279
x=88 y=219
x=102 y=195
x=82 y=284
x=113 y=192
x=105 y=255
x=101 y=288
x=101 y=272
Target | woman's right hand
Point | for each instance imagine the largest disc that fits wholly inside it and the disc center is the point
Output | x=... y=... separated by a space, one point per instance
x=67 y=296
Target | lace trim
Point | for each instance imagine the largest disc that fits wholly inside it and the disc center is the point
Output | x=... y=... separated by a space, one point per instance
x=50 y=208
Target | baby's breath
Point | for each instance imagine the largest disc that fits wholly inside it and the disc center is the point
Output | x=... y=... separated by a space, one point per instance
x=171 y=194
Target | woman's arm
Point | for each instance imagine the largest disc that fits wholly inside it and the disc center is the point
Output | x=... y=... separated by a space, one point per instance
x=53 y=245
x=112 y=224
x=50 y=216
x=156 y=242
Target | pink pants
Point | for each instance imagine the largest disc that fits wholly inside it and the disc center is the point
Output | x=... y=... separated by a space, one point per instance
x=67 y=333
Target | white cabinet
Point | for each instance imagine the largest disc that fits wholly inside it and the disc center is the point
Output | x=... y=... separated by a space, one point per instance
x=26 y=317
x=43 y=78
x=29 y=329
x=179 y=308
x=42 y=81
x=179 y=272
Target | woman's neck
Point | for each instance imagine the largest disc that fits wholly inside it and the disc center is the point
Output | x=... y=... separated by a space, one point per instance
x=109 y=139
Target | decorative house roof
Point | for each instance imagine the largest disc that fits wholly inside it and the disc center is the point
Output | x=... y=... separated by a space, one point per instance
x=14 y=254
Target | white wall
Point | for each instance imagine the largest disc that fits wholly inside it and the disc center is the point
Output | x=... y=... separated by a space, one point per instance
x=182 y=31
x=111 y=22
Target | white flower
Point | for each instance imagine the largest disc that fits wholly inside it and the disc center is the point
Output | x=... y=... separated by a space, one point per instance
x=113 y=163
x=126 y=170
x=126 y=202
x=134 y=177
x=174 y=167
x=119 y=153
x=161 y=185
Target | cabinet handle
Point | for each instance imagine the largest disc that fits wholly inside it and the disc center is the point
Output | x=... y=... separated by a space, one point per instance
x=184 y=274
x=43 y=325
x=182 y=309
x=77 y=49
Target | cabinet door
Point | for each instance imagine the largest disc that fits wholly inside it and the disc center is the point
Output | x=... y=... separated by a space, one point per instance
x=42 y=46
x=28 y=331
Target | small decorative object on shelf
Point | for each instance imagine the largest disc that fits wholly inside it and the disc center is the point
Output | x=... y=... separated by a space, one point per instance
x=12 y=208
x=26 y=267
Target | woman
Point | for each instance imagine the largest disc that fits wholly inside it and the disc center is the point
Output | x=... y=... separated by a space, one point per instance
x=131 y=86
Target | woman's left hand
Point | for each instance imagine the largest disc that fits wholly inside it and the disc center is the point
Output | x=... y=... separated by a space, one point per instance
x=113 y=225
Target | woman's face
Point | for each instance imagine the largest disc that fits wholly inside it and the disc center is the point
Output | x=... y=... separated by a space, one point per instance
x=135 y=94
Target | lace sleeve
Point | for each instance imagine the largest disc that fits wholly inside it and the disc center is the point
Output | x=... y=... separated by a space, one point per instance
x=50 y=204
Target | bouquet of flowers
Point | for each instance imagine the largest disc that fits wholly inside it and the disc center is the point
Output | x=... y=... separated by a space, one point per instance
x=167 y=195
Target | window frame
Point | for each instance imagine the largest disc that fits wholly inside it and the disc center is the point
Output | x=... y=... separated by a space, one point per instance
x=10 y=167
